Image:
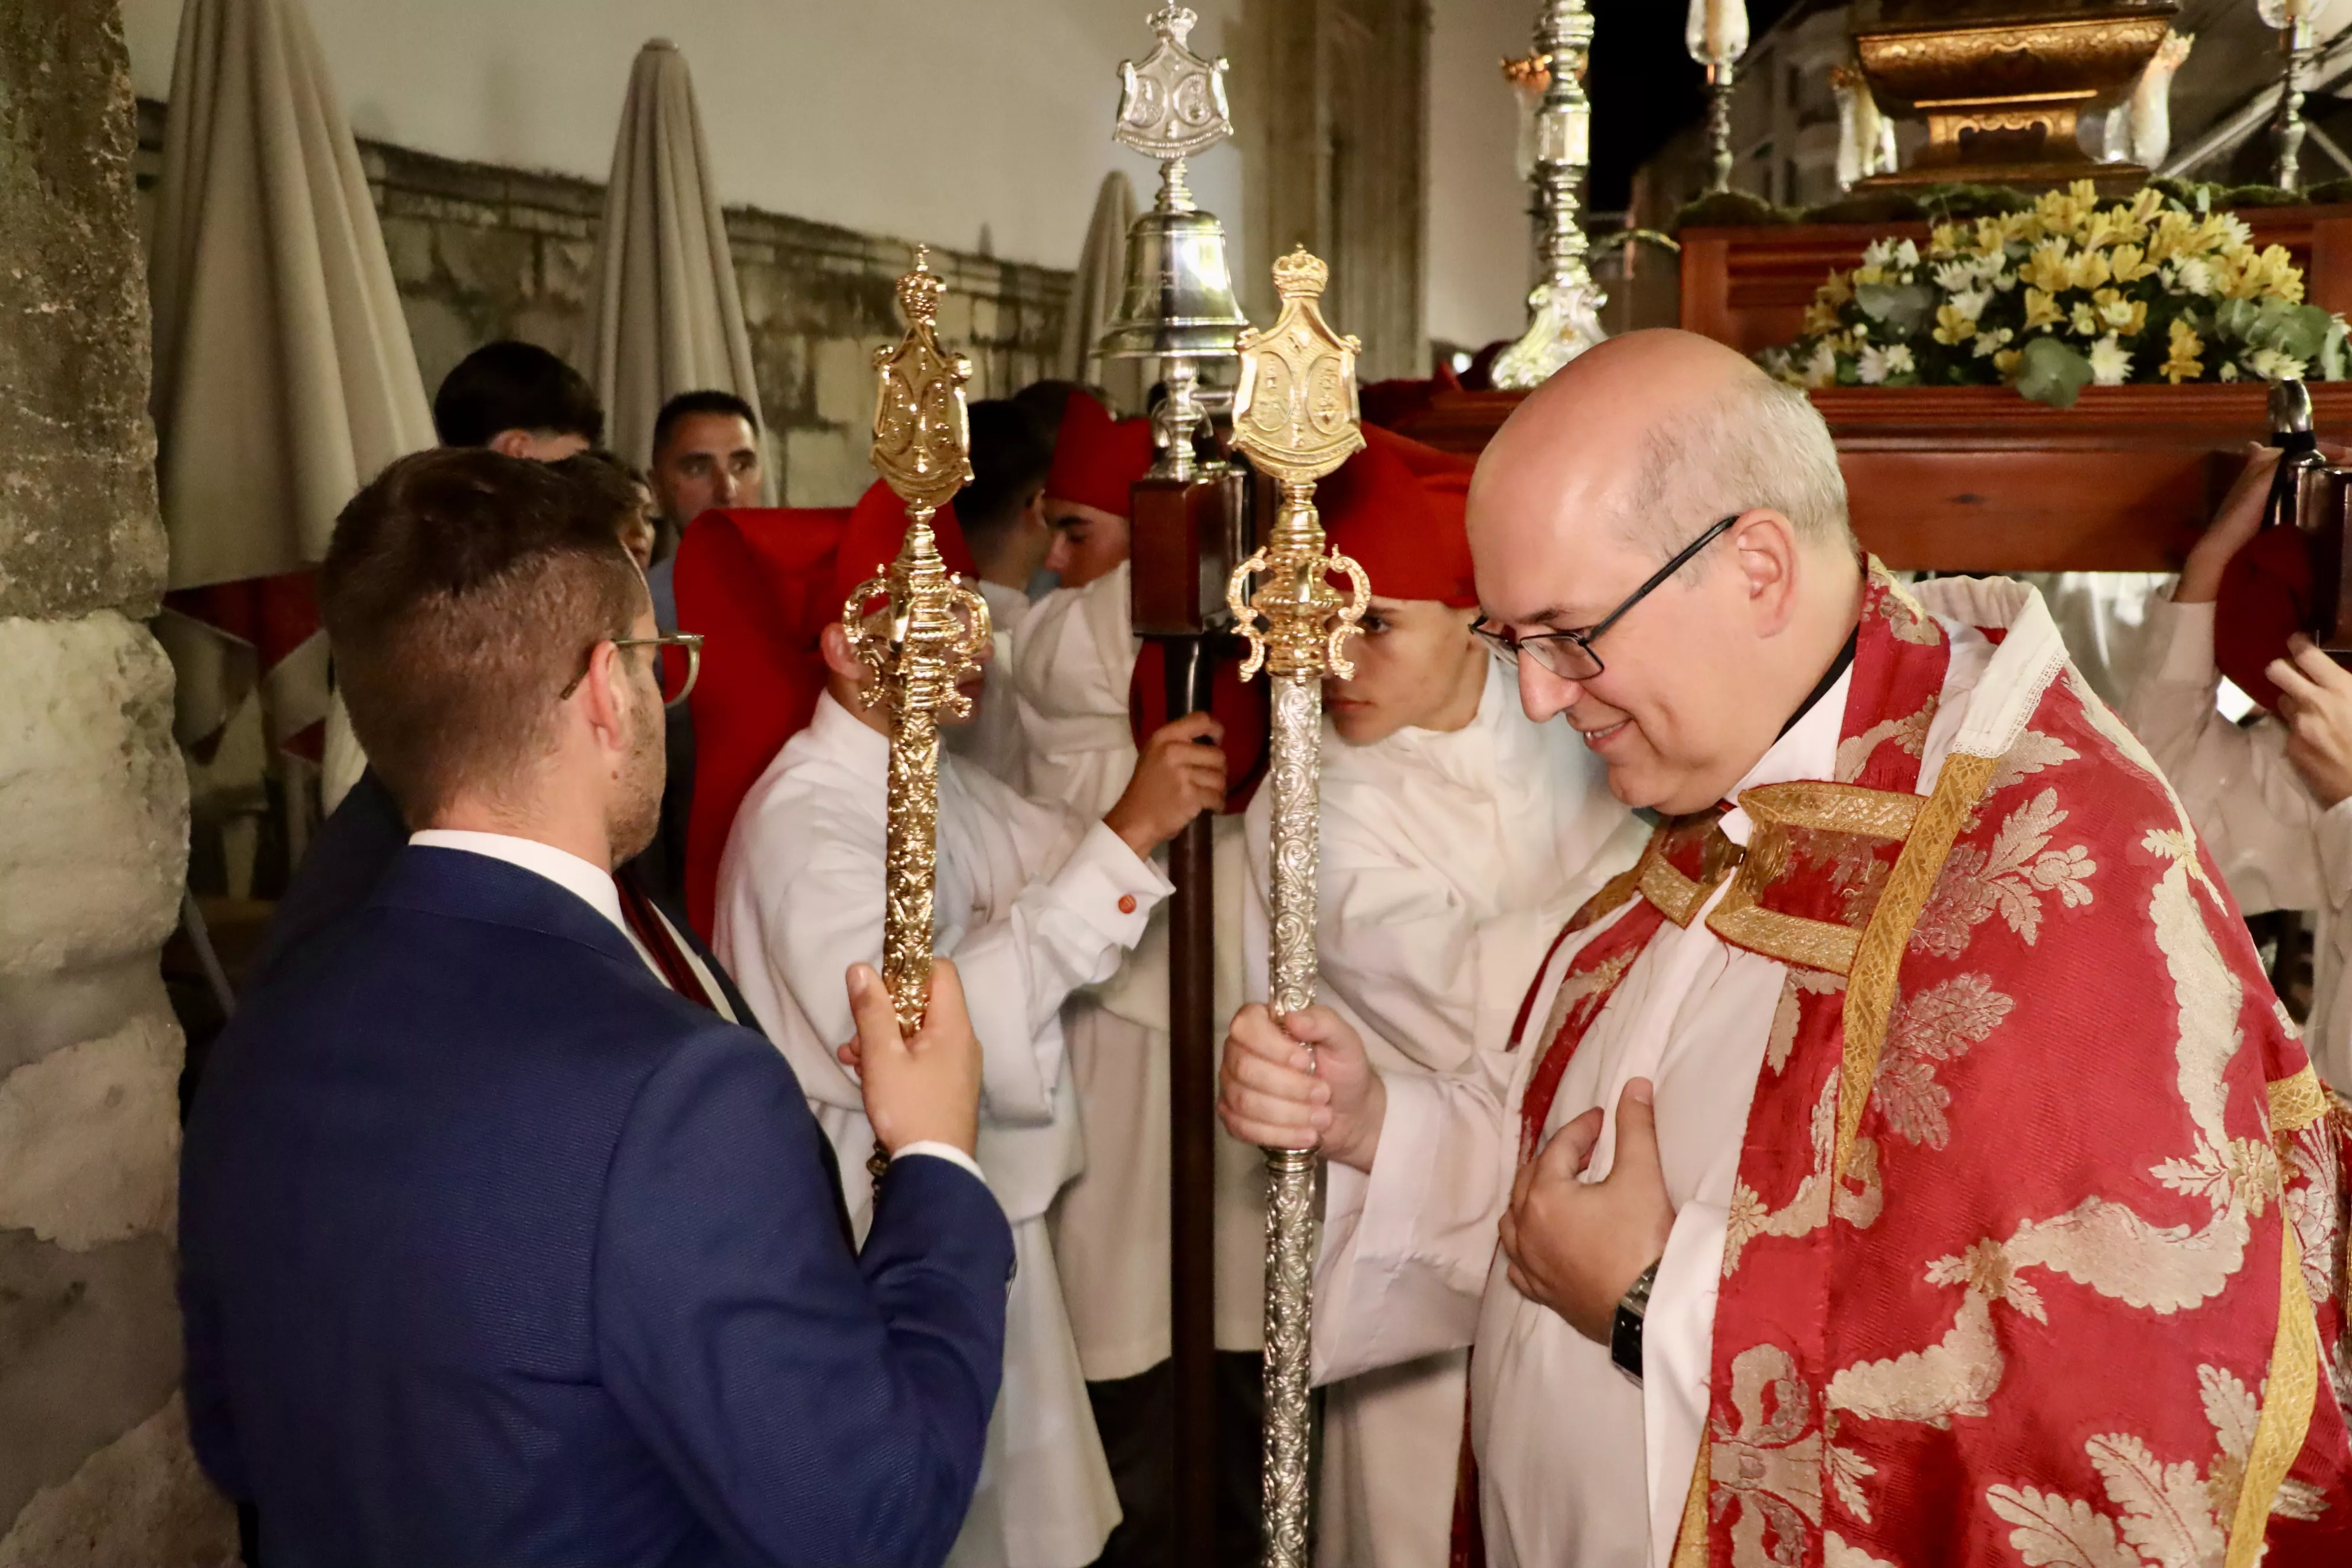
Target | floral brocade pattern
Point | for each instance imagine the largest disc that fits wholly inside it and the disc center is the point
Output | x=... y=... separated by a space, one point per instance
x=2072 y=1296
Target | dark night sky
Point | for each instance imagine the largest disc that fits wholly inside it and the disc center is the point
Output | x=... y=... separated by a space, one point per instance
x=1645 y=86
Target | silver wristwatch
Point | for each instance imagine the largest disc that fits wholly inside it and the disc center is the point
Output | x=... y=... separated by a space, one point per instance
x=1625 y=1328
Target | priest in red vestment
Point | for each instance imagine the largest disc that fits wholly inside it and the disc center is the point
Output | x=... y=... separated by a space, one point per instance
x=1906 y=1163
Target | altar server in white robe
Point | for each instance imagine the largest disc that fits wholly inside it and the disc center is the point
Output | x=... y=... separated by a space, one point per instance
x=1457 y=836
x=1002 y=515
x=1074 y=667
x=2273 y=800
x=1031 y=903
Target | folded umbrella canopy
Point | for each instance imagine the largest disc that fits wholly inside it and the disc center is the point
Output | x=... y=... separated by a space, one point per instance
x=284 y=374
x=667 y=315
x=1096 y=294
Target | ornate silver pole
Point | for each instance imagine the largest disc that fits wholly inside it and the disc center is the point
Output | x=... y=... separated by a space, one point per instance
x=1716 y=33
x=1295 y=415
x=2299 y=44
x=1177 y=307
x=1719 y=82
x=1565 y=305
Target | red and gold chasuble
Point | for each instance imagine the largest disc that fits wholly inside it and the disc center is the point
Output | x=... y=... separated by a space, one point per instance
x=2036 y=1253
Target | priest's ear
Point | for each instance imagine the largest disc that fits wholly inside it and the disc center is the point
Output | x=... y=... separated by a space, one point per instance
x=1763 y=544
x=834 y=642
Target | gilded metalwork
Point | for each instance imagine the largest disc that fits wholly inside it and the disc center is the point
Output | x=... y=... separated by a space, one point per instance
x=2003 y=97
x=1295 y=415
x=1564 y=310
x=917 y=628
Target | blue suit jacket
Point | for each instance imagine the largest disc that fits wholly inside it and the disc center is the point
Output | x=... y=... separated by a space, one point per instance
x=496 y=1252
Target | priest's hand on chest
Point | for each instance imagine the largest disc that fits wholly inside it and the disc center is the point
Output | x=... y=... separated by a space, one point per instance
x=1577 y=1247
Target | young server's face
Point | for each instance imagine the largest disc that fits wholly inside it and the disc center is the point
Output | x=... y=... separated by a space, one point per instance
x=1087 y=541
x=1417 y=667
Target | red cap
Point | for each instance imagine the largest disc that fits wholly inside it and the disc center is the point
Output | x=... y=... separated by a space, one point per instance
x=877 y=526
x=2267 y=591
x=757 y=584
x=1397 y=507
x=1097 y=459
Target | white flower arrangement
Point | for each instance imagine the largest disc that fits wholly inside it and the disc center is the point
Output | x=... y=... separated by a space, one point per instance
x=2068 y=294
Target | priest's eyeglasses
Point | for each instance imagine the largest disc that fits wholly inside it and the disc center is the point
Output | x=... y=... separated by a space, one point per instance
x=675 y=688
x=1569 y=655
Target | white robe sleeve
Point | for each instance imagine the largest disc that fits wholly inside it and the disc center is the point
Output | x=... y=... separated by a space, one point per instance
x=1407 y=1246
x=2253 y=809
x=1065 y=928
x=1063 y=931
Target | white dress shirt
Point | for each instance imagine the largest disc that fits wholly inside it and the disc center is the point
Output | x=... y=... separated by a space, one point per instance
x=2278 y=847
x=1410 y=1264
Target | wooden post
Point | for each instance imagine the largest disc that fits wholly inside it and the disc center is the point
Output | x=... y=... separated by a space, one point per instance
x=1185 y=534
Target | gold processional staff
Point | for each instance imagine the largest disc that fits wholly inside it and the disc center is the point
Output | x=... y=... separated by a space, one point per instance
x=924 y=637
x=1295 y=415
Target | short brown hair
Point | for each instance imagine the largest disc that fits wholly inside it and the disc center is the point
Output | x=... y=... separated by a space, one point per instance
x=462 y=591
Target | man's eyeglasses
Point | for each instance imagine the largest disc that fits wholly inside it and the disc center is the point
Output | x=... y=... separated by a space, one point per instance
x=1569 y=655
x=675 y=688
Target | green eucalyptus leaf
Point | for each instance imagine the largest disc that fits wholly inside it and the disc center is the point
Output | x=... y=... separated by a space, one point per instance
x=2053 y=373
x=2331 y=358
x=1901 y=307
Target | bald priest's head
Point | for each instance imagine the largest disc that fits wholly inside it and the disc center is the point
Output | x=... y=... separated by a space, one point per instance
x=1603 y=478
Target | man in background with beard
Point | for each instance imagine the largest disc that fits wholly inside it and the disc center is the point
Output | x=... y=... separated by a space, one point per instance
x=496 y=1249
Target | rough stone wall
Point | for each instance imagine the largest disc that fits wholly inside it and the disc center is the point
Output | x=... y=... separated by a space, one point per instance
x=481 y=253
x=94 y=1463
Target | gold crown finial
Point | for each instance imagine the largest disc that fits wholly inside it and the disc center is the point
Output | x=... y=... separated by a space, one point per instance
x=1173 y=23
x=1299 y=276
x=919 y=291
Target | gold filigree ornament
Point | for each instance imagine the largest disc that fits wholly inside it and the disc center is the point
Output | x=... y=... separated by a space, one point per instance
x=1295 y=415
x=917 y=630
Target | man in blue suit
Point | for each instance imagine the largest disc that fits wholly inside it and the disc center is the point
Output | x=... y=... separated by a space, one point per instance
x=495 y=1249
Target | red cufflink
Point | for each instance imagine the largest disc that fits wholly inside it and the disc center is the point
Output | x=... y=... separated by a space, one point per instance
x=1127 y=904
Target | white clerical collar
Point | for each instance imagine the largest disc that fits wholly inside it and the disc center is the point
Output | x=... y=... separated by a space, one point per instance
x=592 y=884
x=1807 y=750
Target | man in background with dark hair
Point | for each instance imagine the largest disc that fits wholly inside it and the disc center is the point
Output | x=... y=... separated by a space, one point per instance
x=518 y=399
x=706 y=457
x=1003 y=512
x=497 y=1252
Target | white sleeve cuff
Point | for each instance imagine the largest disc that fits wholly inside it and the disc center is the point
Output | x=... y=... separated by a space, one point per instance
x=1111 y=886
x=1677 y=1346
x=938 y=1150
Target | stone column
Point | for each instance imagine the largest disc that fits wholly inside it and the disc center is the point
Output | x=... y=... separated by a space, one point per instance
x=94 y=1462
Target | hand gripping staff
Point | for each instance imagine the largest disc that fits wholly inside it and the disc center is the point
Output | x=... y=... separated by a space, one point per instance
x=1295 y=415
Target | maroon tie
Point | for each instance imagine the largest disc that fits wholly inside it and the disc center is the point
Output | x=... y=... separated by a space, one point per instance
x=654 y=931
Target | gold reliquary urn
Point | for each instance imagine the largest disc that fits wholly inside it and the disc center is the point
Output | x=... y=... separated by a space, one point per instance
x=2004 y=88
